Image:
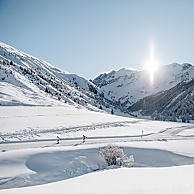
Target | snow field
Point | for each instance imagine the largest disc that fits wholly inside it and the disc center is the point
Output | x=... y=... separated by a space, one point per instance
x=20 y=123
x=29 y=155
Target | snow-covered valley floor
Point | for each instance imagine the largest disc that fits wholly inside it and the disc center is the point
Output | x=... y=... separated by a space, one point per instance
x=31 y=160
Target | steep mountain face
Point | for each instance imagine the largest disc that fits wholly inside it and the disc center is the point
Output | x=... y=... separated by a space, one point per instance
x=173 y=104
x=169 y=97
x=128 y=86
x=26 y=80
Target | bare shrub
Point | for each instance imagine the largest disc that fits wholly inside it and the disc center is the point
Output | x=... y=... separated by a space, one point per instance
x=113 y=155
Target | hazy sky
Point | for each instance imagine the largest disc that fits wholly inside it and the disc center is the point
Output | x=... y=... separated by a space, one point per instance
x=87 y=37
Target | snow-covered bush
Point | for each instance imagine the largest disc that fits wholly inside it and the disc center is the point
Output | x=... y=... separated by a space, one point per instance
x=113 y=155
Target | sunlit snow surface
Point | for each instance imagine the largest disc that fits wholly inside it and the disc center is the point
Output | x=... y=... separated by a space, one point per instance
x=29 y=155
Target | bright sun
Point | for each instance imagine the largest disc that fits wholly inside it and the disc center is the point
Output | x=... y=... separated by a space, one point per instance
x=152 y=64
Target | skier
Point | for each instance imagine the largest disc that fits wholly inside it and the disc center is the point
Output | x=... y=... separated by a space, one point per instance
x=84 y=138
x=141 y=133
x=58 y=138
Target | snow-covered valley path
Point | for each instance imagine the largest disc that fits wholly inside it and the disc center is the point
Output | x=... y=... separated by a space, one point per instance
x=29 y=155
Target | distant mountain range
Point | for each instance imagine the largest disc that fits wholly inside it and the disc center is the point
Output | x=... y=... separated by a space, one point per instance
x=26 y=80
x=169 y=97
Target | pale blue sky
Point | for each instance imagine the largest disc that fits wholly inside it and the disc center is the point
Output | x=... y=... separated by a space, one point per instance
x=87 y=37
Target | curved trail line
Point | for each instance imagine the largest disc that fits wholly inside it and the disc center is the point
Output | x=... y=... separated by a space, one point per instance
x=34 y=133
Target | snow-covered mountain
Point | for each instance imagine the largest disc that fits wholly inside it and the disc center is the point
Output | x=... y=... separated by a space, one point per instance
x=175 y=103
x=134 y=91
x=129 y=86
x=27 y=80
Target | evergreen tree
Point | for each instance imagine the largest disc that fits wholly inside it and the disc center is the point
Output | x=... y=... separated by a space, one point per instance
x=11 y=62
x=47 y=90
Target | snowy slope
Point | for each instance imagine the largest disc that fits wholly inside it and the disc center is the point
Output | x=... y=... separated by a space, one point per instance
x=21 y=123
x=173 y=104
x=18 y=123
x=129 y=86
x=177 y=180
x=26 y=80
x=29 y=155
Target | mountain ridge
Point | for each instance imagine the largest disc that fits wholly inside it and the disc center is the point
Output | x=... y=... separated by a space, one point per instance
x=130 y=86
x=27 y=80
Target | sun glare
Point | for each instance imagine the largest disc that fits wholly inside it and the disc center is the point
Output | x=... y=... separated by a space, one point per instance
x=152 y=64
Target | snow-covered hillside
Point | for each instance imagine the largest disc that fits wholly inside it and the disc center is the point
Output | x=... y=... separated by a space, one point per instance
x=26 y=80
x=129 y=86
x=174 y=104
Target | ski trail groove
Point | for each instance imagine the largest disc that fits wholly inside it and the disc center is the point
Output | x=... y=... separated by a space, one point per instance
x=26 y=133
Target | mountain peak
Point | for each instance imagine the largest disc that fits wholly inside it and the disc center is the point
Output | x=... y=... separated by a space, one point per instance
x=128 y=86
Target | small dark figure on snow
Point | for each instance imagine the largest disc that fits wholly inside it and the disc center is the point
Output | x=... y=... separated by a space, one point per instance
x=84 y=138
x=58 y=138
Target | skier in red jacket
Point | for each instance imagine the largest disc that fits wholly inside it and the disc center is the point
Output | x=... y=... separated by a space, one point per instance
x=84 y=138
